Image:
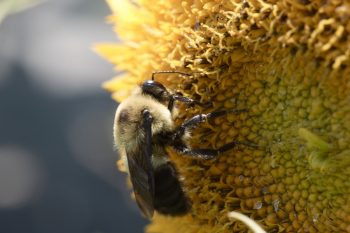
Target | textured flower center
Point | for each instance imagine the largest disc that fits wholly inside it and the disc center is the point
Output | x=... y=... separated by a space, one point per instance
x=287 y=62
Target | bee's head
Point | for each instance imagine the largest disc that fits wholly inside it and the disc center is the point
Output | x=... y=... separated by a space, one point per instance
x=156 y=90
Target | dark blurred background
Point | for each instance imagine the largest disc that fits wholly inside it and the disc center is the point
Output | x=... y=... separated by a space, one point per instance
x=57 y=164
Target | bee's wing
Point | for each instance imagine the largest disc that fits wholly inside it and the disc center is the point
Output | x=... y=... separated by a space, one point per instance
x=141 y=170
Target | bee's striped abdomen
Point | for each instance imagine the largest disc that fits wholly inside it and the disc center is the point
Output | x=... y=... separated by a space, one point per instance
x=169 y=197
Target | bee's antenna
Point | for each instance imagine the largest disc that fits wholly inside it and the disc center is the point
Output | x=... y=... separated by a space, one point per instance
x=154 y=73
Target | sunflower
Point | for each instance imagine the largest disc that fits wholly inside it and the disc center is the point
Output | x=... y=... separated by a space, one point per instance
x=287 y=62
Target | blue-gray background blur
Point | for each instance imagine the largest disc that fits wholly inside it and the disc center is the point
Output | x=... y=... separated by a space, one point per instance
x=57 y=165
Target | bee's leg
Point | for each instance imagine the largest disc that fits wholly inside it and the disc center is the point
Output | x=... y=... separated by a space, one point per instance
x=208 y=153
x=186 y=100
x=200 y=118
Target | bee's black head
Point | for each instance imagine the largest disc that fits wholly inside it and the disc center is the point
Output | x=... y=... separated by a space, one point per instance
x=156 y=90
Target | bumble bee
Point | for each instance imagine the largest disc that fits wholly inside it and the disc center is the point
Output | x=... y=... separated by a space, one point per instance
x=143 y=127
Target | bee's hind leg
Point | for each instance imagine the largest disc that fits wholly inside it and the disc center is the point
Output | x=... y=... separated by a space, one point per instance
x=208 y=153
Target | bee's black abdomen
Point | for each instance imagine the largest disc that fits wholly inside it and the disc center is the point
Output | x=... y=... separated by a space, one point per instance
x=169 y=198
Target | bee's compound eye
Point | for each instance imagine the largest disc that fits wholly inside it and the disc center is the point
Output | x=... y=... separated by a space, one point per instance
x=151 y=84
x=155 y=89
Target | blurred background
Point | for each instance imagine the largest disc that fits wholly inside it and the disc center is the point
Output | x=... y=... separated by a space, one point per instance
x=57 y=164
